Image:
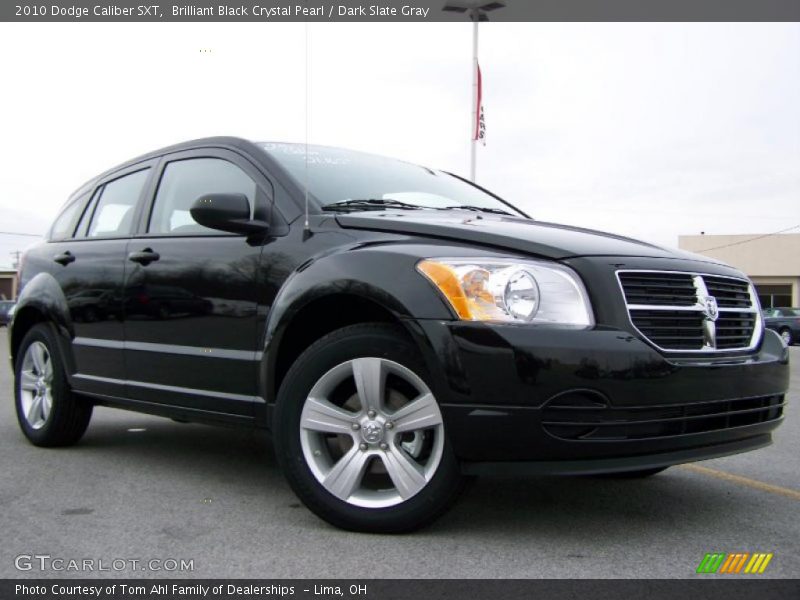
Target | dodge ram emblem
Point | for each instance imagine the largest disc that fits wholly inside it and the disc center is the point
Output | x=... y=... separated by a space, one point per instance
x=710 y=308
x=372 y=432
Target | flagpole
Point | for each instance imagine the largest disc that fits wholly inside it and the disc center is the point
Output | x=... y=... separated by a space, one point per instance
x=476 y=11
x=474 y=121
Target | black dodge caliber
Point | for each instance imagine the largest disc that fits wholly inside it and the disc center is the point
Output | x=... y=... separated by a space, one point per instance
x=396 y=328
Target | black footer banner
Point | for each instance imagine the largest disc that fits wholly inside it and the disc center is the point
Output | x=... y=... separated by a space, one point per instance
x=396 y=589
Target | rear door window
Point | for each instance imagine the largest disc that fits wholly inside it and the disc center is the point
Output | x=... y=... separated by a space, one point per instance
x=114 y=211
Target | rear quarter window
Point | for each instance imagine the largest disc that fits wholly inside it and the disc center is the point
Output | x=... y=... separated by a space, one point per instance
x=64 y=226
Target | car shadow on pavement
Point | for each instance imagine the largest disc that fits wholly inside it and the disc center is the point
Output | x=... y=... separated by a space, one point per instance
x=579 y=507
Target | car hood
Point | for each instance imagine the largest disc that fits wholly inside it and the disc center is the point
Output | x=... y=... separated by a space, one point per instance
x=548 y=240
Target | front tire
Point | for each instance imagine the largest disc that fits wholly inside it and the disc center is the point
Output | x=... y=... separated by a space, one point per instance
x=786 y=336
x=359 y=434
x=48 y=413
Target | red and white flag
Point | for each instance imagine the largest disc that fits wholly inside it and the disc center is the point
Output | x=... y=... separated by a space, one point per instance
x=480 y=121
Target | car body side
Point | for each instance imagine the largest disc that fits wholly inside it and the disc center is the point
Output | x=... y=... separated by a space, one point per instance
x=492 y=380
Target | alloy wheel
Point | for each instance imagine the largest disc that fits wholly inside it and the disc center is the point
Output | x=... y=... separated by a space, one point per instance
x=36 y=385
x=371 y=432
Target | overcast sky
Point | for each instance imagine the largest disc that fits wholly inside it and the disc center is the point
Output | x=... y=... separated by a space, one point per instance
x=649 y=130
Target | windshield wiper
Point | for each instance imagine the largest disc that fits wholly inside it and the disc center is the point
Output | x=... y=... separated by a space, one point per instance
x=370 y=204
x=486 y=209
x=382 y=203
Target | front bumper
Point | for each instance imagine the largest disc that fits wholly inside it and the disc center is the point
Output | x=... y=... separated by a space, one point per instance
x=616 y=465
x=599 y=400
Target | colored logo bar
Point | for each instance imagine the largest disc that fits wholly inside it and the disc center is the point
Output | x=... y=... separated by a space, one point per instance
x=741 y=562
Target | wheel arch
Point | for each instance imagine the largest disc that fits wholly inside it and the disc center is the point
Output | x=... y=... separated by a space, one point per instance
x=42 y=301
x=319 y=317
x=342 y=290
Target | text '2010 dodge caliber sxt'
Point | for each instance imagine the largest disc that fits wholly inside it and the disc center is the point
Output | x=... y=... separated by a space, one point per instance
x=416 y=330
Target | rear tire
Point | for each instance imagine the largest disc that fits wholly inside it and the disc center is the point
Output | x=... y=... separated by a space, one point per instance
x=49 y=414
x=352 y=451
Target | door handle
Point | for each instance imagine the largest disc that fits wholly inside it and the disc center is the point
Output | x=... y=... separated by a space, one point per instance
x=145 y=257
x=64 y=258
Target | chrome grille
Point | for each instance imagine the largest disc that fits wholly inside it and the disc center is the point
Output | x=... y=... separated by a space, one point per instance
x=734 y=329
x=668 y=289
x=692 y=312
x=730 y=293
x=674 y=330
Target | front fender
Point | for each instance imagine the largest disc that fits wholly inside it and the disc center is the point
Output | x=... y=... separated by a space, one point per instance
x=383 y=274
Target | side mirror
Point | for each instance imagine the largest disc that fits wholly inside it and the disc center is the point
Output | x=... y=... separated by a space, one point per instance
x=226 y=212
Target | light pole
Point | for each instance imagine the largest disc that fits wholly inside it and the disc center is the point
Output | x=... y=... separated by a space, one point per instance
x=476 y=12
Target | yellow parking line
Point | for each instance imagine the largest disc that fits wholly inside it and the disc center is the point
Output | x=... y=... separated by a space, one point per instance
x=746 y=481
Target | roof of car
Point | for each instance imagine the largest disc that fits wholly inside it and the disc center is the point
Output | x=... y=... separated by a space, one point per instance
x=216 y=142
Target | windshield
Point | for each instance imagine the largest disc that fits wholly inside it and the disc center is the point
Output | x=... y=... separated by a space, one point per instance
x=337 y=176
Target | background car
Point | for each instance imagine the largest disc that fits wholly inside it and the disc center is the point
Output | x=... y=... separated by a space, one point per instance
x=91 y=305
x=164 y=302
x=5 y=311
x=786 y=321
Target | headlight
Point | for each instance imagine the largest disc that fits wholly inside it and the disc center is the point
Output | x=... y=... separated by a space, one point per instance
x=510 y=291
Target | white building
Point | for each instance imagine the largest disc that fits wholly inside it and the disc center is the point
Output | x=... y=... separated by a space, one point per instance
x=771 y=261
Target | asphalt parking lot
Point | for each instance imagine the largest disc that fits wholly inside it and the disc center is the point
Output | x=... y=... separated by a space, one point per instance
x=139 y=487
